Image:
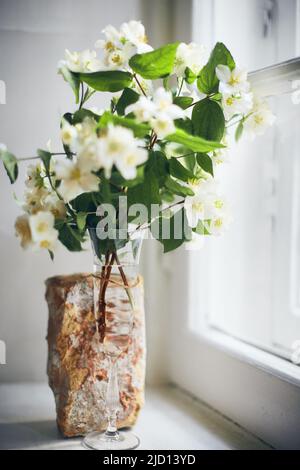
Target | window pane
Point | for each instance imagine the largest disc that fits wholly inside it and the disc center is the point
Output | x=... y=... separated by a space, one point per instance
x=251 y=288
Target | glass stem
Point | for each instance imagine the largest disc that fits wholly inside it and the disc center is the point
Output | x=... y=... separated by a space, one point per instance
x=112 y=400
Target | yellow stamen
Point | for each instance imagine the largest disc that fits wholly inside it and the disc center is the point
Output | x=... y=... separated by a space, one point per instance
x=45 y=244
x=42 y=227
x=75 y=174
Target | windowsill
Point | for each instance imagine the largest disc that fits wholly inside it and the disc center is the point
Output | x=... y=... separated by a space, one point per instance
x=253 y=355
x=169 y=420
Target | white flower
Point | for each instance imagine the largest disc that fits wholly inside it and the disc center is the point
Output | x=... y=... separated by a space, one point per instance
x=42 y=229
x=68 y=134
x=189 y=55
x=160 y=112
x=35 y=176
x=120 y=46
x=232 y=81
x=85 y=61
x=116 y=59
x=219 y=156
x=119 y=146
x=89 y=155
x=23 y=231
x=259 y=119
x=85 y=130
x=205 y=204
x=163 y=101
x=76 y=178
x=236 y=104
x=128 y=161
x=112 y=145
x=144 y=109
x=55 y=205
x=219 y=223
x=112 y=40
x=207 y=185
x=163 y=125
x=37 y=188
x=34 y=199
x=195 y=209
x=134 y=32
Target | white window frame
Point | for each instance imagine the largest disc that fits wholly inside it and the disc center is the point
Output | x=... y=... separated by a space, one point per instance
x=255 y=388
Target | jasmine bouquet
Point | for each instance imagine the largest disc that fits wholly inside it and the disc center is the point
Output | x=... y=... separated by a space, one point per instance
x=148 y=161
x=155 y=149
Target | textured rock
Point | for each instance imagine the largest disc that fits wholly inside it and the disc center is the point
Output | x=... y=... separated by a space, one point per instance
x=77 y=367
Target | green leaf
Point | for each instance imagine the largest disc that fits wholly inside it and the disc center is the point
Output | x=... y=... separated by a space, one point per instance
x=205 y=162
x=69 y=237
x=178 y=232
x=179 y=171
x=201 y=229
x=10 y=163
x=166 y=83
x=83 y=113
x=139 y=129
x=105 y=194
x=88 y=93
x=146 y=193
x=159 y=164
x=190 y=76
x=183 y=101
x=176 y=188
x=185 y=124
x=45 y=156
x=86 y=202
x=190 y=162
x=195 y=143
x=155 y=64
x=167 y=196
x=67 y=117
x=127 y=98
x=72 y=79
x=207 y=79
x=208 y=120
x=239 y=130
x=81 y=220
x=111 y=80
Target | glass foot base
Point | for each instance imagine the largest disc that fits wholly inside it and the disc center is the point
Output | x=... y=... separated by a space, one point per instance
x=101 y=441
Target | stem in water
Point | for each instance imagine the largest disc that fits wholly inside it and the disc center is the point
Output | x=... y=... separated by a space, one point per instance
x=112 y=401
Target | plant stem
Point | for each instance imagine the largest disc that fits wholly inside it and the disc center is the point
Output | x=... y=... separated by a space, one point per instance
x=144 y=227
x=82 y=95
x=139 y=84
x=107 y=276
x=36 y=157
x=124 y=279
x=180 y=87
x=153 y=137
x=186 y=155
x=233 y=123
x=106 y=272
x=193 y=104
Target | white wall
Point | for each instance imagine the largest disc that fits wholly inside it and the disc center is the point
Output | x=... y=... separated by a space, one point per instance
x=33 y=36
